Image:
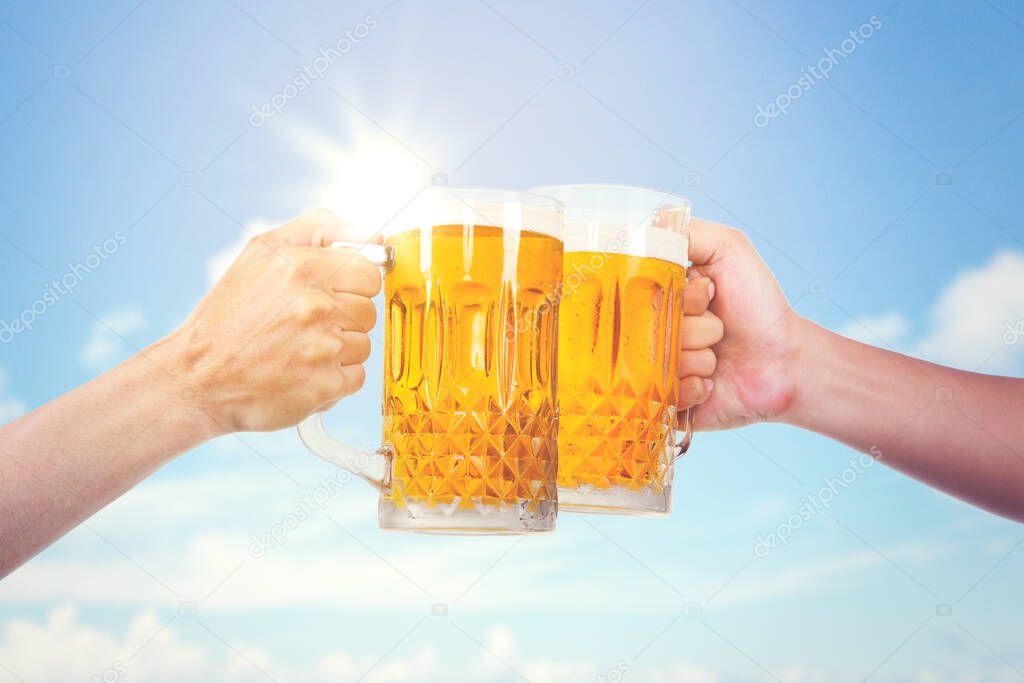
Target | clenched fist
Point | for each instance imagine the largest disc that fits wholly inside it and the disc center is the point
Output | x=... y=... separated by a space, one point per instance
x=284 y=332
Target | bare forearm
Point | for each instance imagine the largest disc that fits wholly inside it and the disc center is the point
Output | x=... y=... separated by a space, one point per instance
x=311 y=310
x=67 y=459
x=961 y=432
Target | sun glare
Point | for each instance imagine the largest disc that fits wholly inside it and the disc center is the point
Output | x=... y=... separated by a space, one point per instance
x=369 y=179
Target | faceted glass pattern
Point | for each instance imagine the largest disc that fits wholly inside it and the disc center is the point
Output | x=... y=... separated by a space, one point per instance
x=469 y=371
x=619 y=342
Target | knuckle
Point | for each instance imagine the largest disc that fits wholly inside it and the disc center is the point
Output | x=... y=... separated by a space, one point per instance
x=311 y=352
x=304 y=268
x=262 y=244
x=307 y=355
x=738 y=237
x=296 y=262
x=310 y=308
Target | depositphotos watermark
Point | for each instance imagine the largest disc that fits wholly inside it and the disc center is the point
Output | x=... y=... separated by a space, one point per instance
x=616 y=674
x=571 y=282
x=1014 y=332
x=812 y=73
x=62 y=287
x=111 y=674
x=815 y=503
x=305 y=507
x=308 y=73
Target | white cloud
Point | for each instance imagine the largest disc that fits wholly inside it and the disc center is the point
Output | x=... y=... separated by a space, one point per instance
x=303 y=572
x=681 y=671
x=249 y=504
x=822 y=575
x=153 y=648
x=971 y=317
x=503 y=651
x=10 y=408
x=976 y=322
x=887 y=329
x=61 y=648
x=193 y=532
x=501 y=659
x=800 y=578
x=105 y=344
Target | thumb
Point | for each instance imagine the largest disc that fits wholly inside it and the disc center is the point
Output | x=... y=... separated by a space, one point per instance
x=708 y=240
x=317 y=228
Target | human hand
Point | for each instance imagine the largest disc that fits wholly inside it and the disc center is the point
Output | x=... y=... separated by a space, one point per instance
x=753 y=366
x=284 y=332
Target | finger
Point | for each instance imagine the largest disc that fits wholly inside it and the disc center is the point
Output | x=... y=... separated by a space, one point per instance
x=693 y=391
x=708 y=240
x=316 y=228
x=701 y=363
x=702 y=331
x=354 y=313
x=355 y=348
x=354 y=376
x=697 y=295
x=349 y=271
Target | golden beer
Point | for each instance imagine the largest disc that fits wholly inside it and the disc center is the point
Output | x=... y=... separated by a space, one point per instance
x=618 y=347
x=469 y=369
x=619 y=329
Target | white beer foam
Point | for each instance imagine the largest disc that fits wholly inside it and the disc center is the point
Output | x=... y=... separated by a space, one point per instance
x=511 y=211
x=630 y=240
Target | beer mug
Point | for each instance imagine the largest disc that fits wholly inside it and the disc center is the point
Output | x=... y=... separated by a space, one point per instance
x=618 y=348
x=470 y=338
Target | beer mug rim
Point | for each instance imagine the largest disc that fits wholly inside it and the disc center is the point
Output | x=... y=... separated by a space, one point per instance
x=507 y=209
x=624 y=219
x=616 y=187
x=617 y=195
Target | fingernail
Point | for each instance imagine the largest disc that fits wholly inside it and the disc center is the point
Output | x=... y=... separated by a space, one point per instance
x=709 y=384
x=711 y=291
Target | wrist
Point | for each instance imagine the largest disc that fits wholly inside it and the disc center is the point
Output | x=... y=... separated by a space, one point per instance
x=812 y=350
x=182 y=386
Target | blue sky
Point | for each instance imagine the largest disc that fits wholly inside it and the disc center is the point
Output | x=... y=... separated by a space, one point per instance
x=886 y=199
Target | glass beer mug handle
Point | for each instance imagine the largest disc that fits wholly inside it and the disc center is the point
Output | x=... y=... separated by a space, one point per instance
x=373 y=466
x=683 y=444
x=381 y=255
